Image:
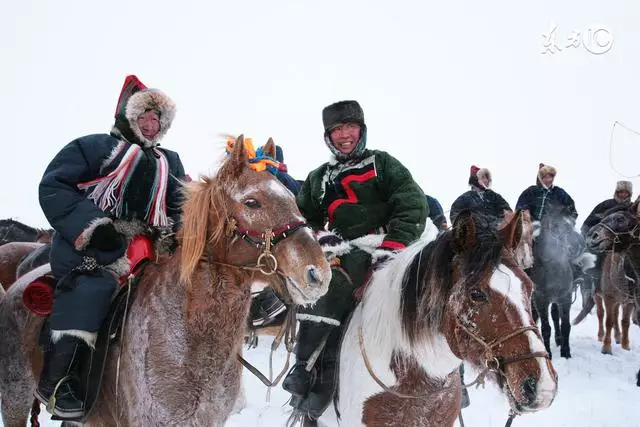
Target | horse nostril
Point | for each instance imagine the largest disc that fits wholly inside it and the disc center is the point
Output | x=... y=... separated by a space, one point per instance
x=313 y=275
x=528 y=388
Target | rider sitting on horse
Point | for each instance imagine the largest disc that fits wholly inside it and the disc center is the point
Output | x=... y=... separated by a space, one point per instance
x=621 y=197
x=480 y=198
x=544 y=197
x=359 y=193
x=91 y=182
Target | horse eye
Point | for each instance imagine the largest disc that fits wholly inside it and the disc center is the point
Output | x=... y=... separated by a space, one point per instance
x=252 y=203
x=478 y=296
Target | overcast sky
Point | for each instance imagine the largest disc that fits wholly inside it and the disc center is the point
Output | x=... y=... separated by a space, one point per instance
x=444 y=85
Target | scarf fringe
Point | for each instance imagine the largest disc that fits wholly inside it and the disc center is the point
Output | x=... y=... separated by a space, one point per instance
x=108 y=191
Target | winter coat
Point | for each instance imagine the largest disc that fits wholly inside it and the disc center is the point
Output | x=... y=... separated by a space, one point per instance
x=537 y=199
x=436 y=213
x=597 y=214
x=487 y=202
x=365 y=195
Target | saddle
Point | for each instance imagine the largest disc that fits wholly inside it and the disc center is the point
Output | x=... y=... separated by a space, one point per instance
x=38 y=298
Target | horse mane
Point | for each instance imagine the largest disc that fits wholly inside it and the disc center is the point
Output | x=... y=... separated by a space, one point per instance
x=429 y=281
x=205 y=215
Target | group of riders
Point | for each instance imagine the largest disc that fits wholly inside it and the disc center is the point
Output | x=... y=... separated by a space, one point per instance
x=361 y=192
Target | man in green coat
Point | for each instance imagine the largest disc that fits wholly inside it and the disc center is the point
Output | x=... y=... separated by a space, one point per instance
x=360 y=194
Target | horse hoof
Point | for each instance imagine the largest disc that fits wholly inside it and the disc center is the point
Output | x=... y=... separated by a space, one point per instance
x=606 y=350
x=626 y=347
x=565 y=354
x=600 y=338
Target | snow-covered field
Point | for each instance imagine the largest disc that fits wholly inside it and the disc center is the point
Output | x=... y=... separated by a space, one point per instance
x=594 y=390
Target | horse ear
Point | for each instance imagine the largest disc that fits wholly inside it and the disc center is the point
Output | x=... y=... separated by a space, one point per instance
x=238 y=155
x=464 y=232
x=269 y=148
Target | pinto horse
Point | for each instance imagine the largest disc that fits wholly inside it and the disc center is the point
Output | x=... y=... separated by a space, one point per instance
x=176 y=362
x=15 y=231
x=462 y=297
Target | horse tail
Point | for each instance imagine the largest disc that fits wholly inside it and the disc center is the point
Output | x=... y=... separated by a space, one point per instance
x=585 y=310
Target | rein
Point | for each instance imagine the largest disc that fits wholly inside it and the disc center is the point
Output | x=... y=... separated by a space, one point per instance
x=634 y=233
x=267 y=264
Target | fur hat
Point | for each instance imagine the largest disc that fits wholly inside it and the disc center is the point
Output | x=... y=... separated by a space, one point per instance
x=623 y=186
x=476 y=174
x=344 y=112
x=136 y=99
x=545 y=170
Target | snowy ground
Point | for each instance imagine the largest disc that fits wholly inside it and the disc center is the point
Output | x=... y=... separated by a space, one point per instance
x=594 y=390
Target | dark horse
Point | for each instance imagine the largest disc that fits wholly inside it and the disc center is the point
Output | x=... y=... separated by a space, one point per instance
x=557 y=246
x=619 y=231
x=15 y=231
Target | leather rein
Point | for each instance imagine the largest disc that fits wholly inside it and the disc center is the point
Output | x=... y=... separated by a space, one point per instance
x=267 y=264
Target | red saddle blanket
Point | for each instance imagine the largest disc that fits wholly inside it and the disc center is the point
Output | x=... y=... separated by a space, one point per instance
x=38 y=295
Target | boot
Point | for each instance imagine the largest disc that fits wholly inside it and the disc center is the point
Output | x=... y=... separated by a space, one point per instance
x=57 y=378
x=265 y=307
x=299 y=381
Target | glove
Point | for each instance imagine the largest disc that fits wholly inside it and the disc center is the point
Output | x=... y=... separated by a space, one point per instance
x=379 y=257
x=107 y=244
x=332 y=245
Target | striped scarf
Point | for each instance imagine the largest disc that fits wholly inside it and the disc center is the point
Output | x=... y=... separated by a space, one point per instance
x=108 y=191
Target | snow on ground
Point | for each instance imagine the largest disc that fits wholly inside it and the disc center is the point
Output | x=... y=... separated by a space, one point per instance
x=594 y=390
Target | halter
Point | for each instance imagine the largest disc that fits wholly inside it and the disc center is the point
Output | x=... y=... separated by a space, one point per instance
x=633 y=233
x=267 y=263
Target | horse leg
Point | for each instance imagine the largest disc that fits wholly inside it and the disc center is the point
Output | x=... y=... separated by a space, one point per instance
x=627 y=310
x=600 y=312
x=534 y=312
x=556 y=323
x=545 y=328
x=638 y=382
x=616 y=325
x=564 y=308
x=611 y=317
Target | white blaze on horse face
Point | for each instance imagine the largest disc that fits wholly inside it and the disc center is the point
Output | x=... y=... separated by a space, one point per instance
x=505 y=282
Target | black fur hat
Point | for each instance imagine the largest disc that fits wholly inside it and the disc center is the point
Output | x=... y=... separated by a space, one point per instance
x=342 y=112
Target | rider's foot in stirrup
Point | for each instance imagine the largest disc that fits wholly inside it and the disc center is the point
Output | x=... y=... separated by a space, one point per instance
x=269 y=308
x=299 y=381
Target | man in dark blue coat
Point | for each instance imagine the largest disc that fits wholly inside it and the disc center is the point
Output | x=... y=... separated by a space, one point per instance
x=480 y=198
x=93 y=181
x=538 y=198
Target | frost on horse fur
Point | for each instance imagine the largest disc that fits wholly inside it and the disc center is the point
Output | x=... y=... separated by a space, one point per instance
x=460 y=297
x=178 y=354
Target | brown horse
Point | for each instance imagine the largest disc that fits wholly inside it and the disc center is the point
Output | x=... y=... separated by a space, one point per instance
x=619 y=233
x=11 y=255
x=176 y=362
x=460 y=297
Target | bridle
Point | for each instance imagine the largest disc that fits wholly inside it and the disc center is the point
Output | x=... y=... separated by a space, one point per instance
x=266 y=263
x=634 y=233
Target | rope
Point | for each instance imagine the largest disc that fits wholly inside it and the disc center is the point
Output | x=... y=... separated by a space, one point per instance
x=613 y=128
